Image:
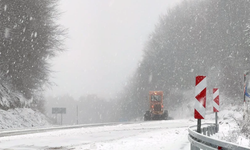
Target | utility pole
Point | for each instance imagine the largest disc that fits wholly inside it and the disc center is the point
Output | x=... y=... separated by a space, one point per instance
x=76 y=114
x=61 y=118
x=245 y=116
x=245 y=86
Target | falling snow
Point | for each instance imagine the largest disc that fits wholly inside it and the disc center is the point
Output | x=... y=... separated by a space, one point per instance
x=7 y=33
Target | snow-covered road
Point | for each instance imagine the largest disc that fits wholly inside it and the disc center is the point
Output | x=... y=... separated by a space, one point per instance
x=157 y=135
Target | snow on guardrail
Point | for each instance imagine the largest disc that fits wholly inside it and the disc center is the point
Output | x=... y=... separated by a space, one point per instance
x=203 y=141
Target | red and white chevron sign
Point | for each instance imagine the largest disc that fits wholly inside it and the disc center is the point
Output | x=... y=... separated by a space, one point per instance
x=216 y=102
x=200 y=97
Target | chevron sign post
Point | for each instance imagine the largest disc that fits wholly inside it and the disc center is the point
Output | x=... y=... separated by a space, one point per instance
x=200 y=100
x=200 y=96
x=216 y=104
x=216 y=100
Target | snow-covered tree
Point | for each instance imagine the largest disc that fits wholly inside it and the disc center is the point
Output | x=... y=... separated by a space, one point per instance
x=29 y=38
x=204 y=37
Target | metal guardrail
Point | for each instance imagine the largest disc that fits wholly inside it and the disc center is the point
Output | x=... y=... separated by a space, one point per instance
x=203 y=141
x=5 y=133
x=22 y=131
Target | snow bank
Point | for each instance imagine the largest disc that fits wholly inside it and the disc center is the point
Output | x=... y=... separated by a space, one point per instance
x=11 y=115
x=22 y=118
x=230 y=125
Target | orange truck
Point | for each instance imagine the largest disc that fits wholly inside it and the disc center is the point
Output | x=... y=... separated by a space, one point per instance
x=156 y=109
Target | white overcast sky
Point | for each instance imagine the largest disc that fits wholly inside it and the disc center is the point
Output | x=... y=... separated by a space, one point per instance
x=105 y=44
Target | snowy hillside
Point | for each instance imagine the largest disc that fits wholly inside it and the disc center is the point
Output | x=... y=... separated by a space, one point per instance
x=22 y=118
x=13 y=117
x=232 y=125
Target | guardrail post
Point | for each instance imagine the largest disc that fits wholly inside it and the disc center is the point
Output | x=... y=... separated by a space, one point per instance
x=208 y=131
x=217 y=128
x=212 y=132
x=204 y=131
x=193 y=147
x=213 y=128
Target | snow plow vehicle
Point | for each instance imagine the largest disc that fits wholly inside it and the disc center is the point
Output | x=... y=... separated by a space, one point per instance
x=156 y=109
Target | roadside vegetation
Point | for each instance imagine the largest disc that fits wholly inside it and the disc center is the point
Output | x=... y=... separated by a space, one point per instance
x=30 y=37
x=207 y=37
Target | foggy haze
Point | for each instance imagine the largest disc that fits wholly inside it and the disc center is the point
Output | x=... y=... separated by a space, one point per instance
x=104 y=45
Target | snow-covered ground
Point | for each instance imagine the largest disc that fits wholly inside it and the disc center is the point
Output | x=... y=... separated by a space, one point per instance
x=157 y=135
x=22 y=118
x=230 y=125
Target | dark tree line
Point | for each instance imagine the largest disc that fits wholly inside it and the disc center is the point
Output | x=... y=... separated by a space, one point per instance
x=206 y=37
x=29 y=37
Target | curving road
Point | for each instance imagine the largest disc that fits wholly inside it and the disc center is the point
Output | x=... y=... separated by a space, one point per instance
x=156 y=135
